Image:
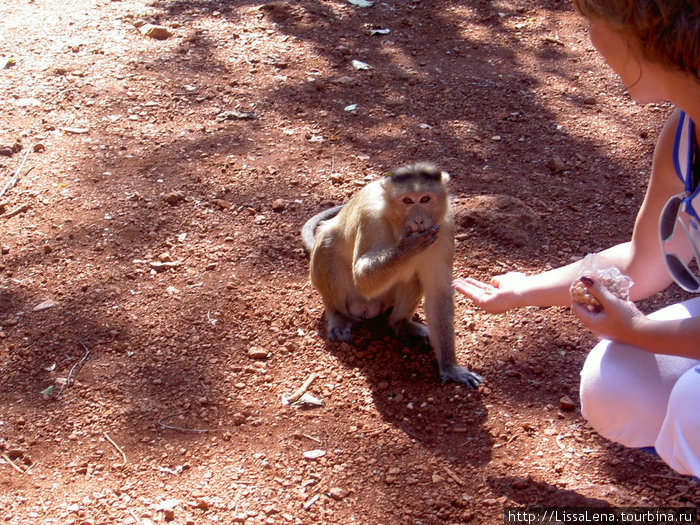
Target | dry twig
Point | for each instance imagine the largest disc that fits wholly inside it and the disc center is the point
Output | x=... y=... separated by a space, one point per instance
x=454 y=476
x=12 y=464
x=74 y=366
x=116 y=446
x=313 y=500
x=15 y=177
x=296 y=395
x=17 y=211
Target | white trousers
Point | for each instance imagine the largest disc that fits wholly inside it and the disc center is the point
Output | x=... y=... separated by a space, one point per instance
x=639 y=399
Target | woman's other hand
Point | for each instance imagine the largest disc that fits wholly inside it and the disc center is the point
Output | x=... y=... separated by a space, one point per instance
x=617 y=320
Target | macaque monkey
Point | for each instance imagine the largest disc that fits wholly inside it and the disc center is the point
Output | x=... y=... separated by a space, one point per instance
x=389 y=246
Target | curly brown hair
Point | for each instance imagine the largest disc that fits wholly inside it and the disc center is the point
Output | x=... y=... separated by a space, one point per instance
x=666 y=31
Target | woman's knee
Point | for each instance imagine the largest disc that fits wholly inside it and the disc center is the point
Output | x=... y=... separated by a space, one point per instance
x=619 y=397
x=679 y=439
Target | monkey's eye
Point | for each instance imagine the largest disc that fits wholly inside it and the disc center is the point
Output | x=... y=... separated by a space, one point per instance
x=407 y=200
x=425 y=199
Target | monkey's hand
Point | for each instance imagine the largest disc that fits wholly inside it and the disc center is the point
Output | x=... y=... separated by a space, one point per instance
x=411 y=244
x=459 y=374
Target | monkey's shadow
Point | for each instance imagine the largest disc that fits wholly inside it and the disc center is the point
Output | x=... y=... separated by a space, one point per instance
x=402 y=373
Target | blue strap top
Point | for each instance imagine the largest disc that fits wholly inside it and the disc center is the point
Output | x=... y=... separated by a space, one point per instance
x=686 y=160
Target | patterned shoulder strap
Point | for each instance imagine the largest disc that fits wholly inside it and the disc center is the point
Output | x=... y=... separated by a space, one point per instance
x=683 y=146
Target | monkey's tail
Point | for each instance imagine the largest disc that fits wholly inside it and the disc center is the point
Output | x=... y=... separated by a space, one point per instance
x=308 y=231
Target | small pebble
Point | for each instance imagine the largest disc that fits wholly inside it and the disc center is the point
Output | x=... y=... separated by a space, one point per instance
x=520 y=484
x=556 y=164
x=565 y=403
x=255 y=352
x=155 y=32
x=279 y=205
x=174 y=198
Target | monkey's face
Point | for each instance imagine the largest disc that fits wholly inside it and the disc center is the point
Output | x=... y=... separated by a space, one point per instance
x=420 y=211
x=416 y=197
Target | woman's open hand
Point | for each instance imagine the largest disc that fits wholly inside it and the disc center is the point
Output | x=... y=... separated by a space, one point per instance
x=498 y=296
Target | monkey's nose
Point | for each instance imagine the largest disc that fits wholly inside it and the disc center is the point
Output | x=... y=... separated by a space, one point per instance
x=418 y=225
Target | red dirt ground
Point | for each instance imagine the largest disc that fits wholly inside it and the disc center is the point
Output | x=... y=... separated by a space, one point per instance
x=158 y=209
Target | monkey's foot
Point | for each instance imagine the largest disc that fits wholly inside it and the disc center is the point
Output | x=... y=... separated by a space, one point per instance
x=339 y=328
x=412 y=329
x=460 y=374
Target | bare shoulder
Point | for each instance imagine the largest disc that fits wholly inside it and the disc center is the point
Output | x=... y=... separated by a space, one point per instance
x=663 y=183
x=663 y=151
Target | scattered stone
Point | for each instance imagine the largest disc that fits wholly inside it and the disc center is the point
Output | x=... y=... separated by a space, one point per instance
x=6 y=152
x=565 y=403
x=44 y=305
x=162 y=266
x=15 y=453
x=224 y=205
x=589 y=100
x=173 y=198
x=39 y=147
x=337 y=493
x=155 y=32
x=314 y=454
x=76 y=131
x=359 y=65
x=167 y=507
x=235 y=115
x=202 y=504
x=279 y=205
x=5 y=249
x=269 y=510
x=520 y=484
x=307 y=401
x=255 y=352
x=556 y=164
x=27 y=102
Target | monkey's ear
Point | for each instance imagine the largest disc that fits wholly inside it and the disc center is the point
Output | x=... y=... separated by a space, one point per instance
x=445 y=177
